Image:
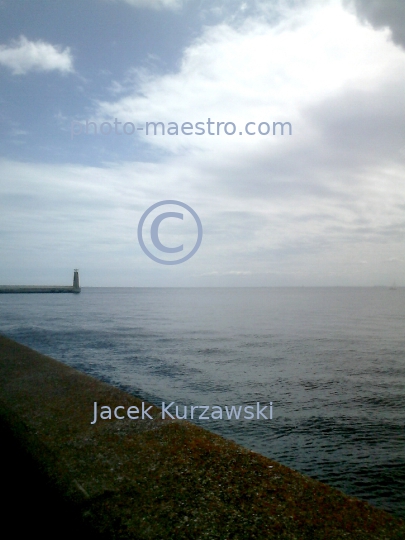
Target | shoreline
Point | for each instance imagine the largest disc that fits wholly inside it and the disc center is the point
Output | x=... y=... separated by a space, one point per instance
x=162 y=478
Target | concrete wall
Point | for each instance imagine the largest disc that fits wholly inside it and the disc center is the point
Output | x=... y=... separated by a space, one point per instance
x=155 y=479
x=32 y=289
x=17 y=289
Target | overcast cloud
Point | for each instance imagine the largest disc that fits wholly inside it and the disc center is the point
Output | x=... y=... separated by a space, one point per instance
x=384 y=13
x=22 y=56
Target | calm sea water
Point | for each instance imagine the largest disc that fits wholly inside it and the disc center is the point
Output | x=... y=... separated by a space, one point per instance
x=332 y=361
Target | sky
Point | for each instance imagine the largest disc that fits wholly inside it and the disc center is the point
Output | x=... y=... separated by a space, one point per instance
x=319 y=203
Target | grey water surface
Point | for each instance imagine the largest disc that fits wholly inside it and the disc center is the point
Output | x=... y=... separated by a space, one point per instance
x=332 y=361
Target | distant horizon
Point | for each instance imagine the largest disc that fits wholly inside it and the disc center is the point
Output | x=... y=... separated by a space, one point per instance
x=396 y=286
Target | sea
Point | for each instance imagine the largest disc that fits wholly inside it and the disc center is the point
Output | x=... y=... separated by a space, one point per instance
x=331 y=360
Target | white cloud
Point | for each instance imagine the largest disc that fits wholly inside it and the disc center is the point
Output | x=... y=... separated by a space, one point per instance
x=333 y=189
x=22 y=56
x=261 y=72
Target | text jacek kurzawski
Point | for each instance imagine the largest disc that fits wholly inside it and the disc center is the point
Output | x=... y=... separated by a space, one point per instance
x=172 y=411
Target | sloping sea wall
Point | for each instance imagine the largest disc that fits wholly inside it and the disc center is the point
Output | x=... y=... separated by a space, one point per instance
x=154 y=479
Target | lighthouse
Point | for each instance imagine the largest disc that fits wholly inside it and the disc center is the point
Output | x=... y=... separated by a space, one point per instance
x=76 y=284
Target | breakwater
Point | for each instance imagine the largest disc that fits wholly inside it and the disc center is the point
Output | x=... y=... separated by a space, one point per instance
x=157 y=478
x=13 y=289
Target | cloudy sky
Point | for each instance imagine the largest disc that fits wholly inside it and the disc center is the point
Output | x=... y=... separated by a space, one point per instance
x=324 y=205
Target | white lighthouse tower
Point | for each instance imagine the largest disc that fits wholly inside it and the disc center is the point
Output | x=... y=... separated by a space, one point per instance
x=76 y=284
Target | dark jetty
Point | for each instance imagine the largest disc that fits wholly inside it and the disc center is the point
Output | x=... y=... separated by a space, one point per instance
x=16 y=289
x=148 y=479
